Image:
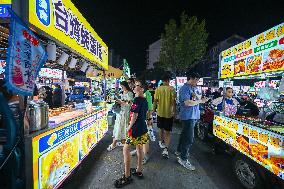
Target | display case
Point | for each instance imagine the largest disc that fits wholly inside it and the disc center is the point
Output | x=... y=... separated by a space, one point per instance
x=53 y=154
x=262 y=142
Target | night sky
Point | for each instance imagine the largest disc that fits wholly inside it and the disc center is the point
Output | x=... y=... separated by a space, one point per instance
x=129 y=26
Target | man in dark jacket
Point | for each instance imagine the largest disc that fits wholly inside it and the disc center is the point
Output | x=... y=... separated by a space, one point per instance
x=57 y=96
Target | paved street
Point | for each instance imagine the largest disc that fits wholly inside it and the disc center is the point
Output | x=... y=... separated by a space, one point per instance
x=101 y=168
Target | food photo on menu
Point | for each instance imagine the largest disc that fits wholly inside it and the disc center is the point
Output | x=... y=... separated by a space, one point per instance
x=240 y=67
x=254 y=63
x=273 y=59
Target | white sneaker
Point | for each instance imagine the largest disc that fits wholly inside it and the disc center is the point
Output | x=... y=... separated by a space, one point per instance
x=152 y=135
x=177 y=153
x=165 y=153
x=186 y=164
x=110 y=148
x=145 y=160
x=133 y=152
x=162 y=144
x=120 y=144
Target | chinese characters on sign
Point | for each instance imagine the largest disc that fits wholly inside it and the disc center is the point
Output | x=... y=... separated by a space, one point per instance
x=263 y=146
x=68 y=23
x=4 y=10
x=4 y=5
x=51 y=73
x=73 y=141
x=259 y=54
x=62 y=20
x=24 y=58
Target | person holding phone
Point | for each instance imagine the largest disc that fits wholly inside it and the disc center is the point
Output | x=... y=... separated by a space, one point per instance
x=122 y=117
x=189 y=97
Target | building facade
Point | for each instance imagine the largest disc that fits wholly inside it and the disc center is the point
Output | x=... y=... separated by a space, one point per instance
x=153 y=54
x=114 y=59
x=209 y=65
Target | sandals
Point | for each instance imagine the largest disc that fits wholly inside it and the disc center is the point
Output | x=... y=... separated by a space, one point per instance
x=136 y=174
x=123 y=181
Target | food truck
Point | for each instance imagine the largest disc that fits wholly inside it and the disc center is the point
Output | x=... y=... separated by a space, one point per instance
x=256 y=143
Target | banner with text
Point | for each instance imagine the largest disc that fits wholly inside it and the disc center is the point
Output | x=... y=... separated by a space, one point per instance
x=25 y=57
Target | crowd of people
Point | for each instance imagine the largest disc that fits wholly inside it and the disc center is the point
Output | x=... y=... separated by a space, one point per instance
x=134 y=121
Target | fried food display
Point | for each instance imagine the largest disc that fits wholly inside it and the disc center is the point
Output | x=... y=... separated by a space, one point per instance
x=254 y=63
x=240 y=67
x=275 y=60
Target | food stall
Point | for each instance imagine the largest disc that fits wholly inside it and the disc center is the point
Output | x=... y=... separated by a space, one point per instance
x=258 y=143
x=57 y=140
x=112 y=77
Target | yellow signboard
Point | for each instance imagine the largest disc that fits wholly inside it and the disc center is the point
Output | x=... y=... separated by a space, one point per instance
x=56 y=153
x=260 y=54
x=62 y=20
x=261 y=145
x=5 y=2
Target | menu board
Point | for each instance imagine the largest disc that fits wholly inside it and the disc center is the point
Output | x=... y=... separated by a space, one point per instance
x=260 y=54
x=263 y=146
x=56 y=153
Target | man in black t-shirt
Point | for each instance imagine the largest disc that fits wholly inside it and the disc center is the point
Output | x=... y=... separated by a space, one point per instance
x=248 y=107
x=137 y=136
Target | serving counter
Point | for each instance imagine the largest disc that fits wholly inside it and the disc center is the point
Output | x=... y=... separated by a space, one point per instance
x=53 y=153
x=262 y=143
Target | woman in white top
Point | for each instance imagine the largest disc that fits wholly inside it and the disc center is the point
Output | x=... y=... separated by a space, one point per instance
x=122 y=118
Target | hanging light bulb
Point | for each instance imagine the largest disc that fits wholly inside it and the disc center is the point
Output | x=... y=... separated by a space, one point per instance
x=63 y=58
x=84 y=67
x=73 y=62
x=51 y=50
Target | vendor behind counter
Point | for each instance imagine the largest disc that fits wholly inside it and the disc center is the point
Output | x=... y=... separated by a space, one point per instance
x=247 y=107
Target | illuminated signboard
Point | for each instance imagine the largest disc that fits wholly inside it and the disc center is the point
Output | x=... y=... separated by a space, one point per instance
x=259 y=54
x=263 y=146
x=62 y=20
x=50 y=73
x=56 y=153
x=4 y=5
x=182 y=80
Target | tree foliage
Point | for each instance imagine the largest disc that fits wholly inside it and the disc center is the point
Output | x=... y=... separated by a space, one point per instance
x=183 y=44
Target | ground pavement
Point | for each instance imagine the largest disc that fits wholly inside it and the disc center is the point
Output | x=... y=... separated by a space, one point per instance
x=101 y=168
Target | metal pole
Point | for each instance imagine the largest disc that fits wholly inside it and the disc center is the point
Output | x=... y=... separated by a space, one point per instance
x=21 y=8
x=105 y=86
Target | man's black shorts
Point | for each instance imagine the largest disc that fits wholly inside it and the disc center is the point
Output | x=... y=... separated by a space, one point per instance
x=165 y=123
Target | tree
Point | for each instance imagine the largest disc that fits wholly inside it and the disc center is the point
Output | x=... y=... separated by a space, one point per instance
x=183 y=45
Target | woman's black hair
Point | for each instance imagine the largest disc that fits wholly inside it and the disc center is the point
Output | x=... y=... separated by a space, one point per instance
x=131 y=79
x=143 y=84
x=125 y=84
